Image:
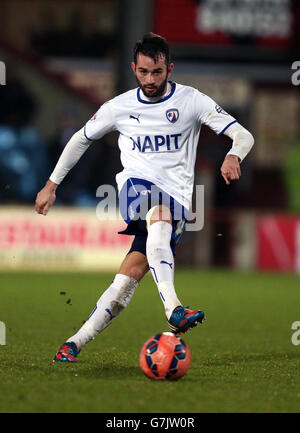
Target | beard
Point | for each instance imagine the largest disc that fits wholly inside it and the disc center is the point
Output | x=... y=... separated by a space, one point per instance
x=157 y=90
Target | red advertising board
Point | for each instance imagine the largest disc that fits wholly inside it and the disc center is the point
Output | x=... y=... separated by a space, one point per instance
x=66 y=239
x=260 y=23
x=278 y=243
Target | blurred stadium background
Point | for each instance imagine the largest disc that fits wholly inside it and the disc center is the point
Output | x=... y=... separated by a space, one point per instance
x=65 y=58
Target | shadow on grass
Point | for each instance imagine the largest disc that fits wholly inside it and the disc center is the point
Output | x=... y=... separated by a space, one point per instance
x=83 y=369
x=255 y=357
x=112 y=371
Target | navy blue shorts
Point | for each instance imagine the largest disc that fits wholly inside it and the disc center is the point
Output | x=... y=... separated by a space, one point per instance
x=136 y=198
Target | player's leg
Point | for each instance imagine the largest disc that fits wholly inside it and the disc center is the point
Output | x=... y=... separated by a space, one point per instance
x=110 y=305
x=161 y=263
x=135 y=265
x=160 y=256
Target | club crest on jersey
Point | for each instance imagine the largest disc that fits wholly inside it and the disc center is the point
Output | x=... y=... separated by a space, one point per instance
x=172 y=115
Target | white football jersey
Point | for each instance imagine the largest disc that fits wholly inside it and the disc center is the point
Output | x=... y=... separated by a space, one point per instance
x=158 y=140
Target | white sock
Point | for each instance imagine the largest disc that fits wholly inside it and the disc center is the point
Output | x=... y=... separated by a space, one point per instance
x=161 y=263
x=111 y=303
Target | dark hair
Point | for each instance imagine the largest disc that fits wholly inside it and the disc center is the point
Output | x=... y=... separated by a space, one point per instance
x=153 y=46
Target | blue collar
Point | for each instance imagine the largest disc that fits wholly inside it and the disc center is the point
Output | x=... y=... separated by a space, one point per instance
x=173 y=84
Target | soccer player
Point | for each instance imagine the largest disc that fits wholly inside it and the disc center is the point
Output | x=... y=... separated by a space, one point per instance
x=159 y=124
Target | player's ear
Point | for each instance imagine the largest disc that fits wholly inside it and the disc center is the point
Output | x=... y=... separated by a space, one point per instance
x=133 y=66
x=170 y=68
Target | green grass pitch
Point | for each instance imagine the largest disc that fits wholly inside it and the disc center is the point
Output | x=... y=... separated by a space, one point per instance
x=243 y=359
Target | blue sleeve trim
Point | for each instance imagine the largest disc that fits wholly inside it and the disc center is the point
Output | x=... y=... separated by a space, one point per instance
x=226 y=127
x=86 y=135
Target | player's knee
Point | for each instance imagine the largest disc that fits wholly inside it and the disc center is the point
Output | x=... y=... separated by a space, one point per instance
x=159 y=238
x=158 y=213
x=138 y=271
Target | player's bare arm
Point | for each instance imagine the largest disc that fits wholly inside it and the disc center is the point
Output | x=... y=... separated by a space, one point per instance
x=45 y=198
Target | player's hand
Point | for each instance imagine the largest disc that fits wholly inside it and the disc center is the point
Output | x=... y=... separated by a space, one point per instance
x=45 y=198
x=231 y=169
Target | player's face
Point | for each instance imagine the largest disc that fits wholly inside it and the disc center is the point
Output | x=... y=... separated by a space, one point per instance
x=152 y=77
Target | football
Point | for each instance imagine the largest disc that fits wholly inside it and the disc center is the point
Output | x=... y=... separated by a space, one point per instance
x=165 y=357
